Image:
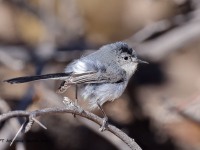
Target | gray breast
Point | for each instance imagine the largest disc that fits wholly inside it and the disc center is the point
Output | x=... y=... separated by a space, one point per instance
x=101 y=92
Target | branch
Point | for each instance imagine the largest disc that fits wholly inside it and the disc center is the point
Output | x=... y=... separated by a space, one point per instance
x=8 y=130
x=73 y=110
x=189 y=109
x=54 y=100
x=172 y=40
x=183 y=33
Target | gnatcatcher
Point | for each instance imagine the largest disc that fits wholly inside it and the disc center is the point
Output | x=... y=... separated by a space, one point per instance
x=101 y=76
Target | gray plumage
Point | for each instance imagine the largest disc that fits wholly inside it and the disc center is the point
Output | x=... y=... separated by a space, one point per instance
x=102 y=76
x=107 y=61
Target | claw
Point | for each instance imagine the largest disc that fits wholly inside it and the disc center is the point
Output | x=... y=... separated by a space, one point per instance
x=103 y=127
x=105 y=118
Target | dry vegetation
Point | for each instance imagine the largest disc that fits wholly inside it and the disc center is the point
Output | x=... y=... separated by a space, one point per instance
x=161 y=106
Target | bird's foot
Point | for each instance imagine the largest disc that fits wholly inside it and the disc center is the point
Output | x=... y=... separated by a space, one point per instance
x=104 y=124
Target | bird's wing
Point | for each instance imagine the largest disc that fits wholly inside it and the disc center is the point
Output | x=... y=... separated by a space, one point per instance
x=89 y=78
x=96 y=77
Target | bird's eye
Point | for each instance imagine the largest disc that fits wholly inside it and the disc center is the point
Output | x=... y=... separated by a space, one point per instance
x=126 y=58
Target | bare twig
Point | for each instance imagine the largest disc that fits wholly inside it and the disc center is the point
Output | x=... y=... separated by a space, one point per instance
x=26 y=126
x=111 y=138
x=189 y=110
x=20 y=129
x=184 y=33
x=78 y=111
x=54 y=100
x=9 y=128
x=149 y=30
x=158 y=48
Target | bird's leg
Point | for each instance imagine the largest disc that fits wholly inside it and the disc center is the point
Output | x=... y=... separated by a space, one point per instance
x=76 y=97
x=76 y=94
x=63 y=87
x=105 y=118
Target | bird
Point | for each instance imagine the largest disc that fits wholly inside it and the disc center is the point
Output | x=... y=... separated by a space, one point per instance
x=99 y=77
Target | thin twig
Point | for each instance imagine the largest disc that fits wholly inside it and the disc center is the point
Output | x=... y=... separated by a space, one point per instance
x=9 y=128
x=157 y=49
x=110 y=137
x=74 y=110
x=54 y=100
x=39 y=123
x=188 y=110
x=20 y=129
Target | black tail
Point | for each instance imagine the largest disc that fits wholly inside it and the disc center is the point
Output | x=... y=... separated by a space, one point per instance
x=39 y=77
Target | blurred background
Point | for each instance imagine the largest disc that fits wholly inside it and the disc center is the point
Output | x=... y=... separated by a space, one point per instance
x=160 y=108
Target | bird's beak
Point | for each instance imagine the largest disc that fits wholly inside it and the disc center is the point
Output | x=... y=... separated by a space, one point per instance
x=141 y=61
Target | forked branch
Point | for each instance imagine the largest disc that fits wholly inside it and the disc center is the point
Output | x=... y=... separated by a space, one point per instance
x=77 y=111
